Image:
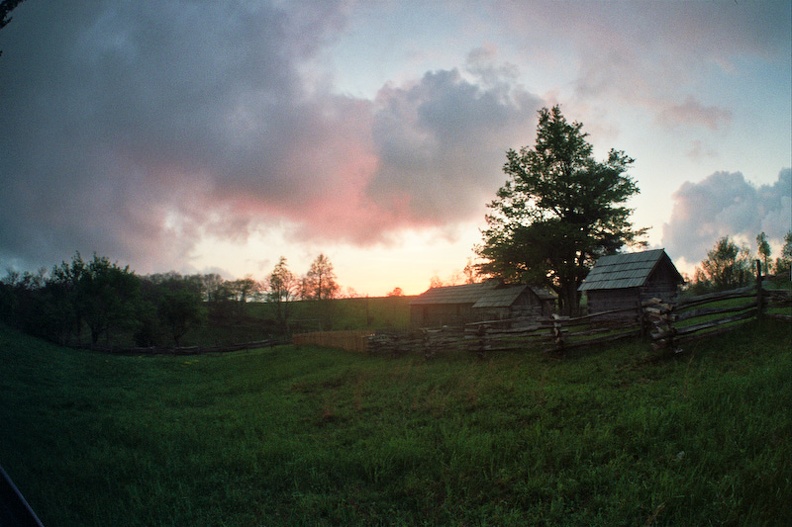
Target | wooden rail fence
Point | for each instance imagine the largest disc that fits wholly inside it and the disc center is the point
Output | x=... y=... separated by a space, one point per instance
x=350 y=340
x=712 y=314
x=665 y=325
x=187 y=350
x=555 y=334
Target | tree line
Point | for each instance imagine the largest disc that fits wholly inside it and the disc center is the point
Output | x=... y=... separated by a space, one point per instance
x=86 y=301
x=729 y=266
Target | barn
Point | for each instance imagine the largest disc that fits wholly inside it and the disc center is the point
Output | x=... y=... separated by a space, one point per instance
x=490 y=300
x=623 y=281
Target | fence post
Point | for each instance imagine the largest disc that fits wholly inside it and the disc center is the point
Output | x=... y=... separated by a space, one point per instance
x=558 y=333
x=760 y=303
x=481 y=333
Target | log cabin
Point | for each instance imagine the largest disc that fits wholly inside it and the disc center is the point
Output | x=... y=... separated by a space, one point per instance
x=623 y=281
x=491 y=300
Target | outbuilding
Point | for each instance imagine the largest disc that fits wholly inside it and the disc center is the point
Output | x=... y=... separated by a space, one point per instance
x=490 y=300
x=623 y=281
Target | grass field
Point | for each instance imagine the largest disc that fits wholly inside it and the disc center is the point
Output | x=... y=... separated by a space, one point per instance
x=318 y=437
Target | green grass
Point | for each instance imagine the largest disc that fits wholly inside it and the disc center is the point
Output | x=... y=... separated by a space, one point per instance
x=318 y=437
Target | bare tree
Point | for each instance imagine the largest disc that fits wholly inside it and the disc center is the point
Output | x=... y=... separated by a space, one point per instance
x=281 y=289
x=320 y=282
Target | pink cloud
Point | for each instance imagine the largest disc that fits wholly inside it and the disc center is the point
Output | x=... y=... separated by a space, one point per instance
x=692 y=112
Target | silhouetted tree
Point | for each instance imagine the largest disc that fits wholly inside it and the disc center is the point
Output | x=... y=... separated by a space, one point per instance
x=727 y=266
x=107 y=296
x=320 y=281
x=559 y=210
x=281 y=289
x=180 y=307
x=763 y=251
x=783 y=265
x=6 y=6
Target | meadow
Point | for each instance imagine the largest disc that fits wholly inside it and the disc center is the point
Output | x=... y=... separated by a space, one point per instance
x=309 y=436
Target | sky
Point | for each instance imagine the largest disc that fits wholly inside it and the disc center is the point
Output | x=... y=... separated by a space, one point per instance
x=201 y=136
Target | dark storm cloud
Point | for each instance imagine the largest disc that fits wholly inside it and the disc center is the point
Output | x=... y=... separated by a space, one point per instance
x=725 y=204
x=127 y=126
x=135 y=128
x=455 y=132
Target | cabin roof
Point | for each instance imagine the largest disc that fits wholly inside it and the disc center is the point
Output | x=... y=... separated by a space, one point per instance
x=500 y=297
x=628 y=270
x=486 y=294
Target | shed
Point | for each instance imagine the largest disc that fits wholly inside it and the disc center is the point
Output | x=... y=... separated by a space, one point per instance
x=491 y=300
x=623 y=281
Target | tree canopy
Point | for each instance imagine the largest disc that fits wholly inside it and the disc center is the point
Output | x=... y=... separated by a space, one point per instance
x=727 y=266
x=559 y=210
x=320 y=281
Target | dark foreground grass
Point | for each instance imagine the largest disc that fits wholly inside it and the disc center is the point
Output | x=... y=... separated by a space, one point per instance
x=318 y=437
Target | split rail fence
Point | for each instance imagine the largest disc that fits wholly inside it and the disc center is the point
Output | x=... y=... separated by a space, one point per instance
x=664 y=325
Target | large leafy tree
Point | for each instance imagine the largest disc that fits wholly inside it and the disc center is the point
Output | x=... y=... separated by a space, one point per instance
x=559 y=210
x=180 y=306
x=107 y=295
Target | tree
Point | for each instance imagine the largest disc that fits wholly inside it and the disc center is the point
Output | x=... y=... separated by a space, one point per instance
x=320 y=281
x=281 y=289
x=179 y=306
x=397 y=291
x=107 y=296
x=727 y=266
x=6 y=6
x=559 y=211
x=764 y=251
x=783 y=265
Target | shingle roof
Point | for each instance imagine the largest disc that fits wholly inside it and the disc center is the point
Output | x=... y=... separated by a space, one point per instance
x=501 y=297
x=623 y=271
x=455 y=294
x=486 y=294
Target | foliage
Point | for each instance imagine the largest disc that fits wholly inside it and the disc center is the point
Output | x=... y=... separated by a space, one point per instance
x=320 y=281
x=6 y=6
x=316 y=437
x=559 y=210
x=727 y=266
x=783 y=265
x=764 y=252
x=282 y=288
x=106 y=294
x=179 y=307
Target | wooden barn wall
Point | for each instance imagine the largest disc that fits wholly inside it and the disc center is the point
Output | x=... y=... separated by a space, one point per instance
x=612 y=299
x=661 y=285
x=441 y=315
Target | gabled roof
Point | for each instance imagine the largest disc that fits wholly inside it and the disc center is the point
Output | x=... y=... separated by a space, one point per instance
x=624 y=271
x=455 y=294
x=491 y=293
x=503 y=296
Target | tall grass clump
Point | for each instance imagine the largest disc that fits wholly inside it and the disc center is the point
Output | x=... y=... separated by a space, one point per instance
x=307 y=436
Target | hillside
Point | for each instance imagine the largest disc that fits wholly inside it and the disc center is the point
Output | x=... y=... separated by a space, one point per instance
x=318 y=437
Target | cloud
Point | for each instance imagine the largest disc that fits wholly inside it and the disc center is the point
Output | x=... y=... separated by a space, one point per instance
x=649 y=54
x=699 y=150
x=136 y=129
x=441 y=143
x=725 y=204
x=692 y=112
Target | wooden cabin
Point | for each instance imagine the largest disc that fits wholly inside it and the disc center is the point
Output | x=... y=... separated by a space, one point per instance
x=491 y=300
x=623 y=281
